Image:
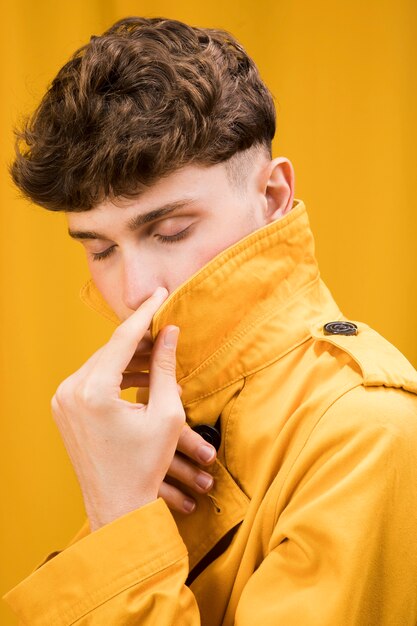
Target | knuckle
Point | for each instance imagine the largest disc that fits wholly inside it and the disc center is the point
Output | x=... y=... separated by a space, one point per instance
x=186 y=434
x=190 y=440
x=125 y=332
x=166 y=363
x=194 y=439
x=172 y=496
x=176 y=418
x=55 y=408
x=119 y=332
x=175 y=411
x=87 y=395
x=63 y=395
x=63 y=399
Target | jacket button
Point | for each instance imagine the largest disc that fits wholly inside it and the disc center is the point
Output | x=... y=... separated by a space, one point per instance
x=340 y=328
x=209 y=433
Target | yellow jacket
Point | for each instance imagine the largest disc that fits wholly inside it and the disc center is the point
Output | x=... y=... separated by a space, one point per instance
x=313 y=517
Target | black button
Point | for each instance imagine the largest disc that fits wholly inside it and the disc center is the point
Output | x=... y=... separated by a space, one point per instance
x=340 y=328
x=209 y=433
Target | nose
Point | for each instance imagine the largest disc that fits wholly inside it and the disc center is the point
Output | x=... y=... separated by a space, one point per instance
x=139 y=281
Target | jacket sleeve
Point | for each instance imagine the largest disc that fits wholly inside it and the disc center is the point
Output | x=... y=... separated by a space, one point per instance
x=342 y=549
x=128 y=572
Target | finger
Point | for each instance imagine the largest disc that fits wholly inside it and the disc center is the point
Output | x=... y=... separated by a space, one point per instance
x=119 y=350
x=175 y=499
x=136 y=379
x=190 y=475
x=163 y=390
x=195 y=447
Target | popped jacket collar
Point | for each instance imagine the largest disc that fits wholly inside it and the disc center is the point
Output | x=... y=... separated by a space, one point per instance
x=246 y=308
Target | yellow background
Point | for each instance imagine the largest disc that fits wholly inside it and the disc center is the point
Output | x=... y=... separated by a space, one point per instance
x=343 y=75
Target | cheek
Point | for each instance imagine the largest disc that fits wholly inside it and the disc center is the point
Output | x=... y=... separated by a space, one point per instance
x=223 y=237
x=105 y=282
x=194 y=259
x=209 y=248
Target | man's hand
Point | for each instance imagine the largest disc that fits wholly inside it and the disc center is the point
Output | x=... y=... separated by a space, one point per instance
x=192 y=452
x=121 y=451
x=186 y=473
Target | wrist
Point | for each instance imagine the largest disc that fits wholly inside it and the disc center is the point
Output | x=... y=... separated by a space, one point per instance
x=104 y=515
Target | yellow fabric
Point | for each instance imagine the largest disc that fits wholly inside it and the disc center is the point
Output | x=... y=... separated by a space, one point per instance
x=313 y=516
x=342 y=77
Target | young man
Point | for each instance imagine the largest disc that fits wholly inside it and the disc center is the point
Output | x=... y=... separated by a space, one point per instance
x=155 y=140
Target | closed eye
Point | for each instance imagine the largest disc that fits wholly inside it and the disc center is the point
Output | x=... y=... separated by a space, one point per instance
x=172 y=238
x=98 y=256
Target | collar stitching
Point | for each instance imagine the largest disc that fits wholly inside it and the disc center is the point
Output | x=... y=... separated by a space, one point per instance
x=251 y=372
x=262 y=318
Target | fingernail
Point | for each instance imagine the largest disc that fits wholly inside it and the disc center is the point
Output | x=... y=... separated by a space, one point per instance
x=189 y=505
x=206 y=453
x=171 y=336
x=204 y=481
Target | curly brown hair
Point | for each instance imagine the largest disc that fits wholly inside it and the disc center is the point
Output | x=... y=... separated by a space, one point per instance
x=144 y=99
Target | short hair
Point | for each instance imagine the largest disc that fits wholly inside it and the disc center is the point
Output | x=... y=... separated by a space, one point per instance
x=135 y=104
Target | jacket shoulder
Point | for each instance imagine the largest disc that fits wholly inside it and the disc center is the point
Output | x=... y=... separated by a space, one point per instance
x=381 y=363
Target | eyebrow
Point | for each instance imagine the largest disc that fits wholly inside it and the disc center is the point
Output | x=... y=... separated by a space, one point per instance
x=136 y=221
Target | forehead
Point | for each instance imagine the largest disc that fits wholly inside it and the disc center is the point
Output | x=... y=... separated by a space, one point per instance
x=192 y=185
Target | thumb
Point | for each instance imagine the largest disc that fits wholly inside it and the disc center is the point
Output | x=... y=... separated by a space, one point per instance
x=163 y=389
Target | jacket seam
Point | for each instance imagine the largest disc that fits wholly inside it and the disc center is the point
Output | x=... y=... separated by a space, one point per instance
x=178 y=560
x=261 y=318
x=80 y=606
x=249 y=372
x=228 y=423
x=348 y=388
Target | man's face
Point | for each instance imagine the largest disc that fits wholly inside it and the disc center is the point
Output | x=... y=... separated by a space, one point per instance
x=167 y=233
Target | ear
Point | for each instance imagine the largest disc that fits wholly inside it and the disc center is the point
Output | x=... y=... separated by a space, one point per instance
x=278 y=188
